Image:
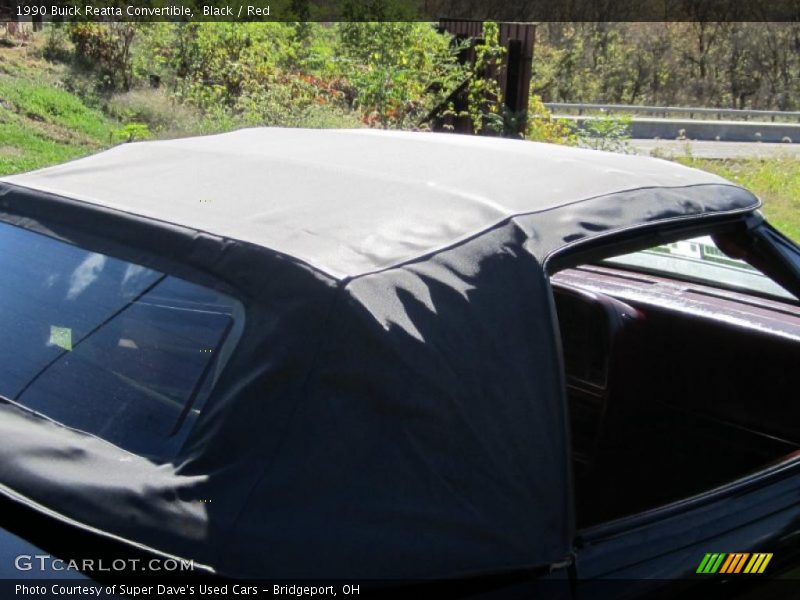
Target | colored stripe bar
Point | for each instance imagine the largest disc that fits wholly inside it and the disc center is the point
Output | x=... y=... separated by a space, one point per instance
x=735 y=562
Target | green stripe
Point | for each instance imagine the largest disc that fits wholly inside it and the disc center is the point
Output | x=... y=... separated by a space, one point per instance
x=701 y=568
x=710 y=563
x=717 y=564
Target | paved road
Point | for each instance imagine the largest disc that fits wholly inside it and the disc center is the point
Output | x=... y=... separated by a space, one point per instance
x=702 y=149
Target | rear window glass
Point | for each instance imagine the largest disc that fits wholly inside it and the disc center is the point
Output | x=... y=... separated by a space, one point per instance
x=112 y=348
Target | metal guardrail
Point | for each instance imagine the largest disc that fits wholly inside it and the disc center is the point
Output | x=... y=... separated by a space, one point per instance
x=666 y=111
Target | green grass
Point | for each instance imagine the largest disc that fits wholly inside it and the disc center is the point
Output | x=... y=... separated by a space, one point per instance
x=23 y=149
x=41 y=123
x=41 y=101
x=775 y=180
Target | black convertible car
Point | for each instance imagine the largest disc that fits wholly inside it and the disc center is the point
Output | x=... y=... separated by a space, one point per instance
x=371 y=356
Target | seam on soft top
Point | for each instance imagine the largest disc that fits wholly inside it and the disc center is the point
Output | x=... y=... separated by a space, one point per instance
x=505 y=220
x=612 y=232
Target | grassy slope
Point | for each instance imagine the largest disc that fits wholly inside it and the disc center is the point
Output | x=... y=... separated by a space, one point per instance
x=776 y=181
x=41 y=123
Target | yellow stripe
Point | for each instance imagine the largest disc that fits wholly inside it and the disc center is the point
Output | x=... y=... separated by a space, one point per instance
x=752 y=562
x=765 y=563
x=752 y=566
x=728 y=561
x=761 y=558
x=740 y=564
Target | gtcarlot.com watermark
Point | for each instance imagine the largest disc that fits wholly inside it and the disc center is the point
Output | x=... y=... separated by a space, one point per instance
x=44 y=563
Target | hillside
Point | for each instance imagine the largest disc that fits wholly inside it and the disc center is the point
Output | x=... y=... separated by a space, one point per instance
x=40 y=122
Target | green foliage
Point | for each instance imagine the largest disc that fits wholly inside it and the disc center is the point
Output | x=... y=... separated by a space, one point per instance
x=151 y=106
x=609 y=133
x=249 y=70
x=151 y=52
x=133 y=132
x=736 y=65
x=398 y=71
x=23 y=148
x=484 y=97
x=41 y=124
x=329 y=117
x=542 y=127
x=56 y=46
x=42 y=103
x=380 y=10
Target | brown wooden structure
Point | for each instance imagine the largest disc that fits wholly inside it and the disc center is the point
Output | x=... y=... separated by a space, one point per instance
x=514 y=76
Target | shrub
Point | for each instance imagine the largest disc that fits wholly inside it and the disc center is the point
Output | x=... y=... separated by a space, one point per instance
x=155 y=108
x=132 y=132
x=106 y=48
x=542 y=127
x=398 y=71
x=609 y=133
x=56 y=46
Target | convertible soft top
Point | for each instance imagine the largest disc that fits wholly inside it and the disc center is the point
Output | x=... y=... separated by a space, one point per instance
x=395 y=405
x=353 y=202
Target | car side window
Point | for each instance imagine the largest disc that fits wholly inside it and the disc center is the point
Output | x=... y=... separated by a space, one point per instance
x=699 y=259
x=106 y=346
